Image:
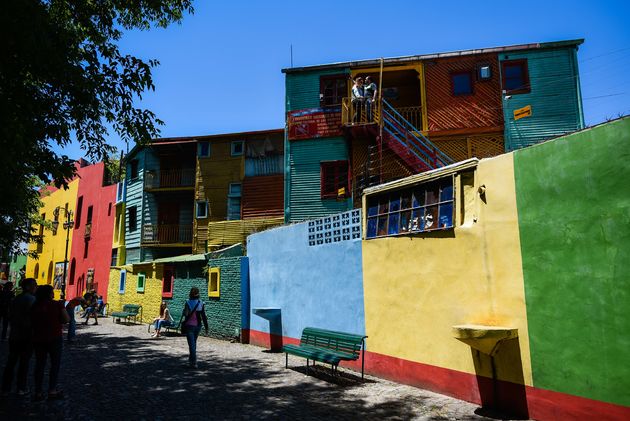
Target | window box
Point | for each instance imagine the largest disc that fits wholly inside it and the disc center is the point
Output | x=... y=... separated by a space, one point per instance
x=427 y=206
x=214 y=282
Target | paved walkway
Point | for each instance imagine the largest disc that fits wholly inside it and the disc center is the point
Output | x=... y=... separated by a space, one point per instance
x=118 y=372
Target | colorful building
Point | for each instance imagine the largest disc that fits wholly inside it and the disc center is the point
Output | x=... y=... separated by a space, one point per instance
x=435 y=109
x=499 y=281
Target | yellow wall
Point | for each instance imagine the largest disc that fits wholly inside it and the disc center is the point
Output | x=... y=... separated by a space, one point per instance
x=417 y=288
x=54 y=245
x=214 y=175
x=118 y=240
x=150 y=299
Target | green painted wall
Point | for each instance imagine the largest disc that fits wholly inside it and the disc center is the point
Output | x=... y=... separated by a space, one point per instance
x=302 y=89
x=573 y=198
x=224 y=313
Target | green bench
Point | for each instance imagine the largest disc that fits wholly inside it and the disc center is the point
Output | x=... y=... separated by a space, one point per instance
x=129 y=311
x=328 y=346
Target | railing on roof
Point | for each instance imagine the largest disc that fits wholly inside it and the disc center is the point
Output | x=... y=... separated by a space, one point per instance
x=155 y=234
x=169 y=179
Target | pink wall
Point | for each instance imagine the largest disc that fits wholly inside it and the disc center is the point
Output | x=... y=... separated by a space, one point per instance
x=99 y=246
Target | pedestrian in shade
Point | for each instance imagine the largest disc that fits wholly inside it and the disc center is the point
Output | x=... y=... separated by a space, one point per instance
x=20 y=338
x=194 y=314
x=6 y=296
x=47 y=316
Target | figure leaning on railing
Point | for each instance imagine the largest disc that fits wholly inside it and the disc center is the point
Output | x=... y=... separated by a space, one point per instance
x=370 y=90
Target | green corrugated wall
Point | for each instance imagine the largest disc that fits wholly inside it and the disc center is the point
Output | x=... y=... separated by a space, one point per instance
x=303 y=88
x=555 y=98
x=304 y=189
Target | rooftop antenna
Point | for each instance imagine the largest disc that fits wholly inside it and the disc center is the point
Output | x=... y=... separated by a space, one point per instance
x=291 y=55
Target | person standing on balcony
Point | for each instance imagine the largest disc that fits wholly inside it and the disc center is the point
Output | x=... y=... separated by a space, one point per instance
x=370 y=91
x=358 y=98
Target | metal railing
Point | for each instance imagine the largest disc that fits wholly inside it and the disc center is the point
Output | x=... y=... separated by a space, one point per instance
x=359 y=112
x=167 y=234
x=412 y=114
x=171 y=178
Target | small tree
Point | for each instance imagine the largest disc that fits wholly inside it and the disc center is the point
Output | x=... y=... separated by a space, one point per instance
x=63 y=77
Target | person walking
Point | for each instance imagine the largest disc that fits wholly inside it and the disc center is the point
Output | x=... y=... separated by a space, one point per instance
x=194 y=314
x=20 y=338
x=165 y=319
x=6 y=296
x=47 y=318
x=71 y=309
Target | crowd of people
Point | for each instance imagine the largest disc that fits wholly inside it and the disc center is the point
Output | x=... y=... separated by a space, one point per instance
x=34 y=321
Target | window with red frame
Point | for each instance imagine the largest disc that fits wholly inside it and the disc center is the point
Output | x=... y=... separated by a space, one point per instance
x=515 y=76
x=332 y=89
x=334 y=176
x=167 y=282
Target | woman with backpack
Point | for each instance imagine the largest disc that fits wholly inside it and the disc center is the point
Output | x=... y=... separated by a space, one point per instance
x=193 y=315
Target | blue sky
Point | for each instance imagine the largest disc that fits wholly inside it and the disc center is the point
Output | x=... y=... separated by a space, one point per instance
x=220 y=69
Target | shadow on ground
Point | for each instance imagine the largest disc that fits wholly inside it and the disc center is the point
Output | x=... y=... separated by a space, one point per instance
x=118 y=377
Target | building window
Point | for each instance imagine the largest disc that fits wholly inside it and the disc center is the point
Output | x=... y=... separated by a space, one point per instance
x=214 y=282
x=109 y=209
x=120 y=190
x=55 y=219
x=167 y=282
x=133 y=218
x=428 y=206
x=89 y=215
x=77 y=220
x=142 y=277
x=203 y=149
x=133 y=173
x=462 y=83
x=237 y=147
x=114 y=261
x=121 y=282
x=515 y=77
x=234 y=202
x=484 y=72
x=332 y=89
x=201 y=209
x=86 y=248
x=334 y=179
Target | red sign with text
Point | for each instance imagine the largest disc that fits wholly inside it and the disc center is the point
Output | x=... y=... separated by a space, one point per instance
x=314 y=122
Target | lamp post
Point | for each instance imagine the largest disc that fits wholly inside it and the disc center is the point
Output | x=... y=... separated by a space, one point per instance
x=67 y=225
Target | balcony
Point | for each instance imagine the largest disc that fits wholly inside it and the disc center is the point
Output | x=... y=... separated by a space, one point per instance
x=88 y=231
x=170 y=180
x=364 y=113
x=167 y=235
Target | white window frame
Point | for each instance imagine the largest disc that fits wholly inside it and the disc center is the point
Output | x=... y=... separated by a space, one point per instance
x=199 y=150
x=122 y=281
x=197 y=203
x=232 y=146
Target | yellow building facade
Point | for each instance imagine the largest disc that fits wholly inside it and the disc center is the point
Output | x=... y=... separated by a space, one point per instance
x=51 y=251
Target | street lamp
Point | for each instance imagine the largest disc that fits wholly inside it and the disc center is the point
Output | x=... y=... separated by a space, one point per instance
x=67 y=225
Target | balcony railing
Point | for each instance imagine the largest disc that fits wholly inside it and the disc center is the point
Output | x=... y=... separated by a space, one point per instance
x=166 y=234
x=169 y=179
x=365 y=113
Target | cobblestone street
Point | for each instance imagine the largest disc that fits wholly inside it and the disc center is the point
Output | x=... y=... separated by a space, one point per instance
x=118 y=372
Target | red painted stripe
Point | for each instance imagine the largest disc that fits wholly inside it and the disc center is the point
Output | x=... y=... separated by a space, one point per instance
x=513 y=398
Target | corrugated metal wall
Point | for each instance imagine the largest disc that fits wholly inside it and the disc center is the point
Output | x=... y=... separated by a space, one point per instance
x=135 y=191
x=302 y=89
x=471 y=146
x=263 y=196
x=227 y=233
x=304 y=187
x=554 y=98
x=447 y=111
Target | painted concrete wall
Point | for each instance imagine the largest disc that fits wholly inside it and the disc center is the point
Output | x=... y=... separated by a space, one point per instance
x=54 y=245
x=573 y=204
x=150 y=299
x=418 y=287
x=317 y=286
x=99 y=243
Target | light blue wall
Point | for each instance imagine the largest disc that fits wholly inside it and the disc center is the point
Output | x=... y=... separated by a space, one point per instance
x=554 y=97
x=135 y=191
x=320 y=286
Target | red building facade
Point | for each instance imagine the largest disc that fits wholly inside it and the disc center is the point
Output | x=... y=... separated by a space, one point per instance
x=90 y=258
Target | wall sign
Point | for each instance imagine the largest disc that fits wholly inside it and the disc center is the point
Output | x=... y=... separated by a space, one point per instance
x=314 y=122
x=523 y=112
